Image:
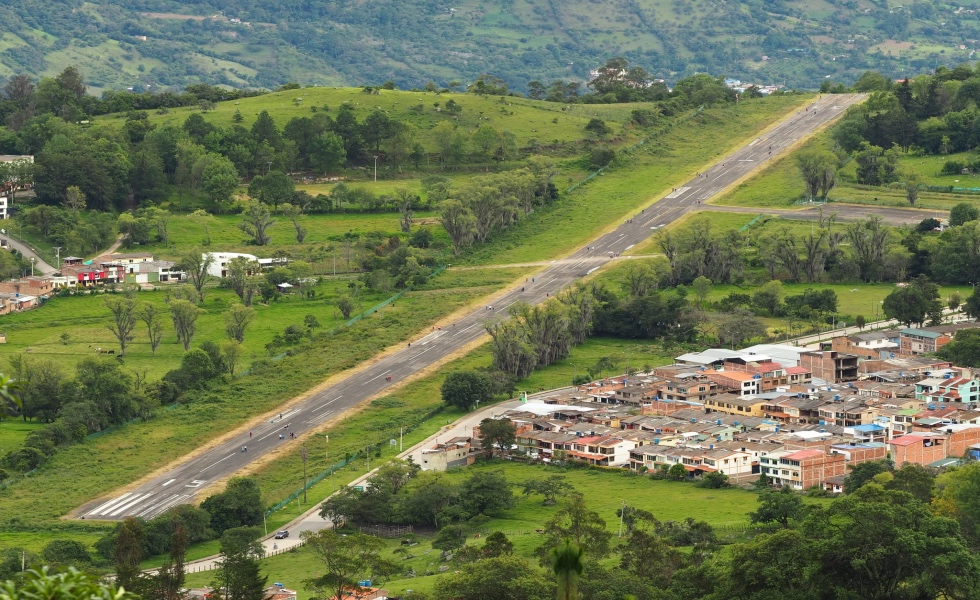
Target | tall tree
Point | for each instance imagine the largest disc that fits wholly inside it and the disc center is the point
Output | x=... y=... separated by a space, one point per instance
x=238 y=569
x=345 y=559
x=497 y=433
x=458 y=222
x=170 y=578
x=124 y=314
x=152 y=316
x=567 y=565
x=256 y=220
x=128 y=551
x=240 y=276
x=184 y=316
x=197 y=264
x=818 y=168
x=237 y=320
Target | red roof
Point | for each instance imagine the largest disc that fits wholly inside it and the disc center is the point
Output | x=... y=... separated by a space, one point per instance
x=908 y=440
x=769 y=366
x=797 y=370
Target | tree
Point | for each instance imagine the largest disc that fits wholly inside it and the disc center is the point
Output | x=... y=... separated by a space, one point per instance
x=701 y=286
x=770 y=297
x=197 y=265
x=466 y=389
x=863 y=473
x=459 y=223
x=598 y=127
x=500 y=578
x=124 y=315
x=739 y=326
x=876 y=544
x=238 y=570
x=963 y=350
x=219 y=178
x=778 y=506
x=231 y=352
x=550 y=487
x=875 y=166
x=497 y=433
x=128 y=551
x=184 y=316
x=256 y=220
x=914 y=302
x=912 y=185
x=327 y=152
x=293 y=213
x=584 y=527
x=567 y=565
x=65 y=553
x=819 y=171
x=405 y=200
x=239 y=505
x=67 y=585
x=914 y=479
x=274 y=188
x=486 y=493
x=344 y=560
x=74 y=200
x=347 y=304
x=170 y=578
x=963 y=212
x=237 y=320
x=449 y=538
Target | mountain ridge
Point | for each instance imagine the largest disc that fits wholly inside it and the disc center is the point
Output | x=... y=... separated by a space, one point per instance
x=245 y=43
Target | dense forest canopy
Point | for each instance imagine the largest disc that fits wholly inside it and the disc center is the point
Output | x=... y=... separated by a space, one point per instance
x=797 y=43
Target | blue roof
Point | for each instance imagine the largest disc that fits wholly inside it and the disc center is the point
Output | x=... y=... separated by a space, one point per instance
x=871 y=427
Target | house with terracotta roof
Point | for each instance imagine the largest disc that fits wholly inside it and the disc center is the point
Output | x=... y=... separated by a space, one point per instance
x=873 y=344
x=917 y=447
x=743 y=384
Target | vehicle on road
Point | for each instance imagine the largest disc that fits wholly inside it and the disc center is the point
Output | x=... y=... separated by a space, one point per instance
x=282 y=535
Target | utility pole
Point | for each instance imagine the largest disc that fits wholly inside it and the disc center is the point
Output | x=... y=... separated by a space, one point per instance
x=304 y=474
x=375 y=169
x=622 y=511
x=401 y=434
x=57 y=251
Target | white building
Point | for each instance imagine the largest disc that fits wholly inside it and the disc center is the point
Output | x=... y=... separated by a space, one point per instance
x=4 y=210
x=219 y=266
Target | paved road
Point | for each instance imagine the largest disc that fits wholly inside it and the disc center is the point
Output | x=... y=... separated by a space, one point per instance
x=185 y=480
x=40 y=267
x=844 y=212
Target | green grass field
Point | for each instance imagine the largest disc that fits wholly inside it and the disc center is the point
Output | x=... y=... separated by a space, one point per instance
x=530 y=120
x=13 y=432
x=607 y=199
x=604 y=492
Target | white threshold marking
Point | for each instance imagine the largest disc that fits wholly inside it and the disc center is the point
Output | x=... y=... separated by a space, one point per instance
x=108 y=504
x=168 y=483
x=677 y=192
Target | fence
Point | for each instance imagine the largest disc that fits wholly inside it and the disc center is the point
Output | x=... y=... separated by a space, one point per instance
x=670 y=125
x=751 y=223
x=380 y=443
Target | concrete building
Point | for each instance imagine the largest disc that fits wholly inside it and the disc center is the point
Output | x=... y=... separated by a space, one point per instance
x=802 y=469
x=926 y=340
x=457 y=452
x=874 y=344
x=830 y=365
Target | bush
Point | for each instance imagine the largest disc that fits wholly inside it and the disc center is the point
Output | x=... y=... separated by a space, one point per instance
x=713 y=481
x=952 y=167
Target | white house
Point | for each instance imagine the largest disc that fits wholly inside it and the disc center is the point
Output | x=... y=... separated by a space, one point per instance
x=219 y=266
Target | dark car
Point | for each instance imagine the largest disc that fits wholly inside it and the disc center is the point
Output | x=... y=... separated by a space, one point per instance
x=282 y=535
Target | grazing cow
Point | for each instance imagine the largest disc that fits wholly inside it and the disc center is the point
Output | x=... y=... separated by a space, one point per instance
x=112 y=351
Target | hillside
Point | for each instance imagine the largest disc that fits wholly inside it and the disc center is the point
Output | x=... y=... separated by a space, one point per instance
x=799 y=43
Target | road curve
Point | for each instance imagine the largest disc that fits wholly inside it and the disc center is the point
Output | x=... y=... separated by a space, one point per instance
x=190 y=477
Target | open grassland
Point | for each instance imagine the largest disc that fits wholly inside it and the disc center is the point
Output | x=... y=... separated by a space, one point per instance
x=779 y=185
x=604 y=492
x=324 y=233
x=638 y=180
x=13 y=432
x=103 y=463
x=530 y=120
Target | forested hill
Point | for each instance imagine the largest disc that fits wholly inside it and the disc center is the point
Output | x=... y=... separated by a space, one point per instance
x=799 y=43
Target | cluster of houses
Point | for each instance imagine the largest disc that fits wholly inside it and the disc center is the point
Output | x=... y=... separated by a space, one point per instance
x=11 y=185
x=140 y=268
x=740 y=86
x=794 y=415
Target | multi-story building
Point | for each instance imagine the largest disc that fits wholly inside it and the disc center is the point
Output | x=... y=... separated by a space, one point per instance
x=802 y=469
x=874 y=344
x=948 y=389
x=830 y=365
x=925 y=340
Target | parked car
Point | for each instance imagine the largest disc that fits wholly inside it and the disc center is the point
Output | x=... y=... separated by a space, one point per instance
x=282 y=535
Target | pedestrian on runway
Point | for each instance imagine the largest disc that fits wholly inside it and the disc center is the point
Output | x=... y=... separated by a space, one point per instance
x=250 y=434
